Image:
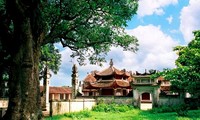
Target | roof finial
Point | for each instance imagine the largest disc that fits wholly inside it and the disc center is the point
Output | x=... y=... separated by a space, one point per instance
x=111 y=62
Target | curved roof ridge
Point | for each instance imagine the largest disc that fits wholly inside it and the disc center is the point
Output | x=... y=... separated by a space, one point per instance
x=107 y=71
x=89 y=78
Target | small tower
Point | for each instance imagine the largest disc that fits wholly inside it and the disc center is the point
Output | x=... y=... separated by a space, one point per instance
x=111 y=63
x=74 y=81
x=46 y=78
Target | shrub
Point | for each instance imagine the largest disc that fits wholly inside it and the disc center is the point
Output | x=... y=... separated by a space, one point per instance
x=79 y=115
x=182 y=110
x=162 y=109
x=112 y=108
x=99 y=107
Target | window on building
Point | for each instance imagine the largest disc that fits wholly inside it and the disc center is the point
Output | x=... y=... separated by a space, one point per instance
x=61 y=96
x=124 y=92
x=145 y=96
x=90 y=94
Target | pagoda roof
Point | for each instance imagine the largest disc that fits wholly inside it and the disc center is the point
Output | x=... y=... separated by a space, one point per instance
x=112 y=70
x=161 y=78
x=90 y=78
x=116 y=83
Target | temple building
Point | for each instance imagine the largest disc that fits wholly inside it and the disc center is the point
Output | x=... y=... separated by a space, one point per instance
x=145 y=90
x=108 y=82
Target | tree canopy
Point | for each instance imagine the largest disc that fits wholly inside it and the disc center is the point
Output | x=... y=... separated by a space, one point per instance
x=186 y=76
x=88 y=27
x=50 y=57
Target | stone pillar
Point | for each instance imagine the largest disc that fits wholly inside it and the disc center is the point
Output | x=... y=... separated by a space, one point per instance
x=74 y=81
x=47 y=76
x=64 y=96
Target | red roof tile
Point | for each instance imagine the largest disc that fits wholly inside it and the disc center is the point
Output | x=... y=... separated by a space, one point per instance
x=161 y=78
x=90 y=78
x=110 y=84
x=111 y=71
x=108 y=71
x=66 y=90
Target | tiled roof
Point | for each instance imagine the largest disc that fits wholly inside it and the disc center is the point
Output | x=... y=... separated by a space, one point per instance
x=108 y=71
x=112 y=84
x=161 y=78
x=111 y=71
x=64 y=90
x=90 y=78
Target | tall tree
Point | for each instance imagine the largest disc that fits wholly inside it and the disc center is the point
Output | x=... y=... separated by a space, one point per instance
x=87 y=27
x=186 y=76
x=50 y=57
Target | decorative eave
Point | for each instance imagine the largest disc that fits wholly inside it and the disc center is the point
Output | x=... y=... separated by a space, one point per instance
x=112 y=71
x=106 y=72
x=112 y=84
x=90 y=78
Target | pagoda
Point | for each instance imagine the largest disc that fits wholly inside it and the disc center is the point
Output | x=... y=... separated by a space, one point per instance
x=108 y=82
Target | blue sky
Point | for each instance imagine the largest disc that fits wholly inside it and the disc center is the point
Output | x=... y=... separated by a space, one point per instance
x=159 y=26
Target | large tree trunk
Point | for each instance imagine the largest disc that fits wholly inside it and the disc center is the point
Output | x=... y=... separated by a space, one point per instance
x=24 y=98
x=24 y=84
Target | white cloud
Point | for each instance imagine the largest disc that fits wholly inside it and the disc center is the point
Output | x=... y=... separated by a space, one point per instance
x=63 y=78
x=155 y=52
x=169 y=19
x=190 y=16
x=150 y=7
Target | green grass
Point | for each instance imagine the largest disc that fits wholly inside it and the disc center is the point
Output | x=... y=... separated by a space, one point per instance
x=129 y=115
x=124 y=112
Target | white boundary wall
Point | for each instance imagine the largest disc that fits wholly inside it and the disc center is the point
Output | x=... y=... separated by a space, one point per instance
x=75 y=105
x=145 y=106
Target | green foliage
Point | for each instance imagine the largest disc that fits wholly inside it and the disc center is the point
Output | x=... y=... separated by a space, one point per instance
x=186 y=76
x=133 y=114
x=182 y=110
x=5 y=76
x=90 y=28
x=50 y=57
x=162 y=109
x=78 y=115
x=111 y=108
x=2 y=4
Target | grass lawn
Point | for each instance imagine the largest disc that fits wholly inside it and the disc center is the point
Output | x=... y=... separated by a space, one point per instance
x=134 y=114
